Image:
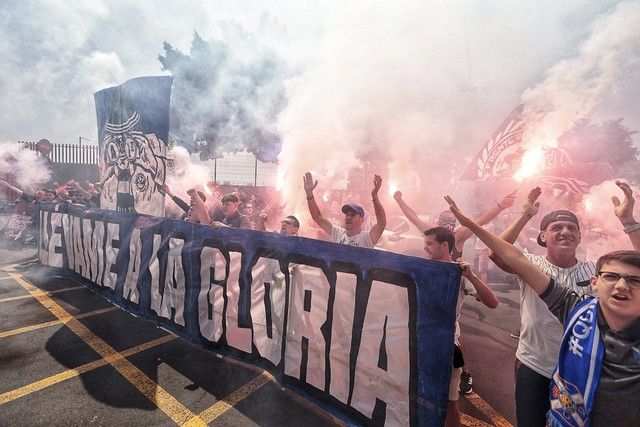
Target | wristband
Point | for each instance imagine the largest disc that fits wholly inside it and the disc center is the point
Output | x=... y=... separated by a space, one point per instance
x=632 y=227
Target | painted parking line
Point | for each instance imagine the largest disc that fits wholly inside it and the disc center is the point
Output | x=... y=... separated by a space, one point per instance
x=469 y=421
x=148 y=387
x=52 y=323
x=237 y=396
x=72 y=373
x=48 y=293
x=496 y=418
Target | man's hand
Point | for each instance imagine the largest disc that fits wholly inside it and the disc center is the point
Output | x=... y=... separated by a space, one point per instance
x=217 y=224
x=461 y=217
x=507 y=201
x=624 y=209
x=377 y=183
x=397 y=195
x=465 y=267
x=263 y=216
x=531 y=205
x=309 y=184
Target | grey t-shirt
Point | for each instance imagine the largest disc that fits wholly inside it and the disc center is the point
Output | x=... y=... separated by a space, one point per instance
x=617 y=399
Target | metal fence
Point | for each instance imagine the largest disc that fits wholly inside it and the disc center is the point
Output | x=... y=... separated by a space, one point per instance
x=68 y=153
x=234 y=169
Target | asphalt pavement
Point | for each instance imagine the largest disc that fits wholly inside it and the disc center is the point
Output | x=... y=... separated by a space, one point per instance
x=69 y=357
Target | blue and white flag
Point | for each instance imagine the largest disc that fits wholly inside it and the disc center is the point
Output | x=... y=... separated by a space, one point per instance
x=133 y=130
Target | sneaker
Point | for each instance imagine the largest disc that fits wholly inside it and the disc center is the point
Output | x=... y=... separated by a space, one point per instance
x=465 y=383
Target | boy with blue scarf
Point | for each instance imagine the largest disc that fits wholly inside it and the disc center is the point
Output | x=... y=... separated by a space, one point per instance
x=597 y=379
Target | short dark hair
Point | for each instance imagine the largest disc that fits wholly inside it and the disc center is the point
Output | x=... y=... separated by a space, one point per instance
x=294 y=220
x=442 y=234
x=230 y=198
x=625 y=257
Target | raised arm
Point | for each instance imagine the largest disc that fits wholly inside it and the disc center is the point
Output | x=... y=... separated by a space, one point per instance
x=510 y=234
x=261 y=224
x=381 y=216
x=77 y=185
x=509 y=254
x=314 y=210
x=624 y=212
x=463 y=233
x=10 y=187
x=485 y=294
x=410 y=213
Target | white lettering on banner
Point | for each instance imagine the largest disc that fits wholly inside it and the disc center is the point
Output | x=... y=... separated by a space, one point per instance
x=174 y=290
x=98 y=241
x=154 y=272
x=210 y=297
x=309 y=293
x=130 y=288
x=388 y=304
x=55 y=241
x=67 y=221
x=237 y=337
x=341 y=326
x=87 y=232
x=78 y=253
x=267 y=308
x=43 y=240
x=111 y=254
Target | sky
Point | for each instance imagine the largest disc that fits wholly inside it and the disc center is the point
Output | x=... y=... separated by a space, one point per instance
x=402 y=81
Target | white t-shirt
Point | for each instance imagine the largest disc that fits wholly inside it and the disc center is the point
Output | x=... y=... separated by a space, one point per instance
x=540 y=331
x=362 y=239
x=466 y=288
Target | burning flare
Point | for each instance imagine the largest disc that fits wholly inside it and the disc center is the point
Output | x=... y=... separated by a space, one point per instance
x=530 y=165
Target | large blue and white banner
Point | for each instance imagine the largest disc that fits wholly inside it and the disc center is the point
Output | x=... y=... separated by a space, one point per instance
x=365 y=334
x=133 y=131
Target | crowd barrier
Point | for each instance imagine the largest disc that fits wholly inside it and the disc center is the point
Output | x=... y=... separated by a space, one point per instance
x=365 y=334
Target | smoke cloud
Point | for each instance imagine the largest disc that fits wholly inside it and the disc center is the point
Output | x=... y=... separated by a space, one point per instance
x=23 y=166
x=410 y=91
x=574 y=87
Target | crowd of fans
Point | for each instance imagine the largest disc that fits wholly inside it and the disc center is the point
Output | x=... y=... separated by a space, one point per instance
x=554 y=284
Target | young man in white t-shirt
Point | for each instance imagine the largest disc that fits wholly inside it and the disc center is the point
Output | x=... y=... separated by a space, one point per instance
x=540 y=330
x=351 y=234
x=439 y=243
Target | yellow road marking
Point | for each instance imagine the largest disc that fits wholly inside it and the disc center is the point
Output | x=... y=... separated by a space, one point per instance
x=228 y=402
x=52 y=323
x=496 y=418
x=49 y=293
x=469 y=421
x=152 y=390
x=72 y=373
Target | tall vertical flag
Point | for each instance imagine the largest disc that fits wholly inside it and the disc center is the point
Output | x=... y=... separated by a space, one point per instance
x=500 y=156
x=133 y=131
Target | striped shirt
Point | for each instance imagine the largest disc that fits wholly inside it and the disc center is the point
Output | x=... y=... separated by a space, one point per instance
x=540 y=331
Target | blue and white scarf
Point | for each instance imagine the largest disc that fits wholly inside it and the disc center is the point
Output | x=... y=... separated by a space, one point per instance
x=576 y=377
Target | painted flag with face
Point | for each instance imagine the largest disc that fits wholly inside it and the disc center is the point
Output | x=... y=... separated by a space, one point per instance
x=133 y=131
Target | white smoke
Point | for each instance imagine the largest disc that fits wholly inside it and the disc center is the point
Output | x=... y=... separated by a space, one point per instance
x=574 y=87
x=412 y=88
x=23 y=166
x=186 y=173
x=601 y=230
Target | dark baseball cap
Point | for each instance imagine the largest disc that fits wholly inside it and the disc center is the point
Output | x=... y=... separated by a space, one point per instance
x=230 y=198
x=353 y=208
x=554 y=216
